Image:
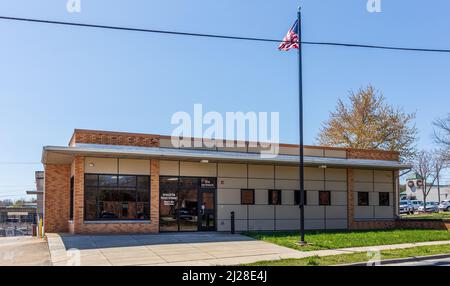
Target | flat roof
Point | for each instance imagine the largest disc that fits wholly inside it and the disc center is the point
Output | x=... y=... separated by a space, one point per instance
x=64 y=155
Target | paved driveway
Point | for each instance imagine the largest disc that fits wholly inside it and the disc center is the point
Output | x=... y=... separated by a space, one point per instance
x=163 y=249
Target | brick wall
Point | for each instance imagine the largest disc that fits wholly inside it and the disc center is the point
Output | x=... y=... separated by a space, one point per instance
x=114 y=138
x=56 y=197
x=98 y=227
x=372 y=154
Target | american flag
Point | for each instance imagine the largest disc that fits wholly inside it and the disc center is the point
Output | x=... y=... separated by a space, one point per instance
x=290 y=41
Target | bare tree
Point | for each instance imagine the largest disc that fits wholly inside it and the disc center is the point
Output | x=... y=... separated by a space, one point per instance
x=368 y=122
x=428 y=165
x=442 y=133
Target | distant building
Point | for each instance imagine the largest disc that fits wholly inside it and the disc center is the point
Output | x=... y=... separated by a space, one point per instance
x=414 y=190
x=39 y=192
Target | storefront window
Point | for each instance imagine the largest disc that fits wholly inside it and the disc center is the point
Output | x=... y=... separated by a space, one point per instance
x=116 y=197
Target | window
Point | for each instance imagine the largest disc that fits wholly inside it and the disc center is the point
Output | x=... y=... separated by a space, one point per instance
x=247 y=197
x=297 y=197
x=324 y=198
x=274 y=197
x=383 y=199
x=71 y=199
x=116 y=197
x=363 y=198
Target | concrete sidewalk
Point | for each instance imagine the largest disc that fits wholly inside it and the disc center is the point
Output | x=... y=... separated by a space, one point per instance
x=24 y=251
x=182 y=249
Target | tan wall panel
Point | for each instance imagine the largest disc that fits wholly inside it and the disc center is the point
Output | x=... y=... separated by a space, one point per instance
x=261 y=212
x=100 y=165
x=314 y=212
x=261 y=197
x=232 y=170
x=168 y=168
x=335 y=186
x=339 y=198
x=287 y=197
x=261 y=171
x=360 y=175
x=337 y=224
x=228 y=196
x=384 y=212
x=313 y=152
x=314 y=224
x=314 y=173
x=289 y=151
x=134 y=167
x=314 y=185
x=287 y=184
x=198 y=169
x=225 y=225
x=383 y=187
x=261 y=224
x=334 y=174
x=363 y=212
x=286 y=172
x=335 y=153
x=363 y=187
x=224 y=211
x=383 y=176
x=232 y=183
x=336 y=212
x=232 y=149
x=312 y=198
x=288 y=224
x=287 y=212
x=261 y=183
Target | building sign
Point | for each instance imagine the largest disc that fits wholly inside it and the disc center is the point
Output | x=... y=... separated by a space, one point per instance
x=207 y=183
x=412 y=186
x=169 y=199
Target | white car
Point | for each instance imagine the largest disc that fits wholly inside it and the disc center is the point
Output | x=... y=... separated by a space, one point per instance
x=431 y=207
x=445 y=205
x=416 y=204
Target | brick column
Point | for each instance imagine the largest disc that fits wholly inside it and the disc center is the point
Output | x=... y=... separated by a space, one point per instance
x=154 y=195
x=56 y=198
x=350 y=199
x=78 y=196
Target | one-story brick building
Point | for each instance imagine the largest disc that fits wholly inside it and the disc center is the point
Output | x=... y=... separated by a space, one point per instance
x=115 y=182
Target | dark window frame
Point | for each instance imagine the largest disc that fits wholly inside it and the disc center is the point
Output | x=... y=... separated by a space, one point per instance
x=116 y=188
x=360 y=198
x=270 y=202
x=329 y=198
x=253 y=196
x=384 y=203
x=71 y=200
x=297 y=197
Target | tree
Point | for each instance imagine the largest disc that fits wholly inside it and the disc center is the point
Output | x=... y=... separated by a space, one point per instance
x=428 y=165
x=442 y=134
x=367 y=122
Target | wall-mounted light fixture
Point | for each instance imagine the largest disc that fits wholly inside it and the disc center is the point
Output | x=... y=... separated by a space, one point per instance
x=204 y=161
x=322 y=166
x=91 y=165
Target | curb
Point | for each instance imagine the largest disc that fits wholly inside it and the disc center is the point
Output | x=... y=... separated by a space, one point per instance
x=401 y=260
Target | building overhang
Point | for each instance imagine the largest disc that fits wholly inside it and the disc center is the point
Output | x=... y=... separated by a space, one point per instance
x=64 y=155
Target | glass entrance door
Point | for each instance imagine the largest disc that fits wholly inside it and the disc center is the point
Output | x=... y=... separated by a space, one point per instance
x=207 y=210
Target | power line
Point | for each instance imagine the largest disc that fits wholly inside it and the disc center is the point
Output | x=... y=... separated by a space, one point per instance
x=222 y=36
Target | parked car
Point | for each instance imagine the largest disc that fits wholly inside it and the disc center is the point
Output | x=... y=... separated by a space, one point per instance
x=445 y=205
x=431 y=207
x=406 y=207
x=416 y=204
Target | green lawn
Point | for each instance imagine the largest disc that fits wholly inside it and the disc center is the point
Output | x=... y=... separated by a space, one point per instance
x=357 y=257
x=440 y=215
x=341 y=239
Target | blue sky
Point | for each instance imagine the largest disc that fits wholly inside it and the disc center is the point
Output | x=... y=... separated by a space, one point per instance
x=54 y=79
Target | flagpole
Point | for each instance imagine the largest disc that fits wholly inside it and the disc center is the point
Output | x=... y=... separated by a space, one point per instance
x=300 y=121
